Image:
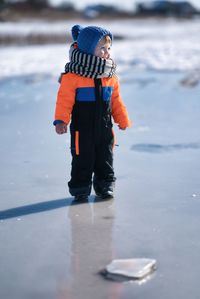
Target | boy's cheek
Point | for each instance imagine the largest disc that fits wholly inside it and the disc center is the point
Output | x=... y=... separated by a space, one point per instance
x=97 y=53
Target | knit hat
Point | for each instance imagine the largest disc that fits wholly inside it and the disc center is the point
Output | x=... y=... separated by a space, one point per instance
x=87 y=38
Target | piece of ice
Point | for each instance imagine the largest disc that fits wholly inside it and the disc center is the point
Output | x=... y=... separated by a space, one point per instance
x=135 y=268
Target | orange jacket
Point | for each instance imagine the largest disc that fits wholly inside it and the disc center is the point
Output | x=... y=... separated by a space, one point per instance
x=67 y=95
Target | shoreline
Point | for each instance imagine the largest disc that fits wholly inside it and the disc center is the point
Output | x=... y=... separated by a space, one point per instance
x=41 y=31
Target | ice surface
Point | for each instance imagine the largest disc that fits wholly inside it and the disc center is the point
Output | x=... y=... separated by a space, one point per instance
x=57 y=248
x=153 y=212
x=136 y=268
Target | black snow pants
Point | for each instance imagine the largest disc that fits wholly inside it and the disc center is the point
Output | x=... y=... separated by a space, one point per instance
x=92 y=147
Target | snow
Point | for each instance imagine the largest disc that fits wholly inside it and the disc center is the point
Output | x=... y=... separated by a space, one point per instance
x=167 y=45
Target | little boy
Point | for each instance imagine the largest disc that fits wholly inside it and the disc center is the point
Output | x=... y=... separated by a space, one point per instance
x=89 y=97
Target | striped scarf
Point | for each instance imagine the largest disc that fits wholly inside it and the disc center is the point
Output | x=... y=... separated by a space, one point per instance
x=88 y=65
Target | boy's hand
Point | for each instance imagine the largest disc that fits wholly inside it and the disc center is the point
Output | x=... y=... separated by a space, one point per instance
x=122 y=128
x=61 y=128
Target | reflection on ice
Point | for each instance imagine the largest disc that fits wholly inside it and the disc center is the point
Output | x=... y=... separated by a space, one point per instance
x=91 y=249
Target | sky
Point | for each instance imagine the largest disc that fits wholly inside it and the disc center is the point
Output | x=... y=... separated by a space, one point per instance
x=127 y=4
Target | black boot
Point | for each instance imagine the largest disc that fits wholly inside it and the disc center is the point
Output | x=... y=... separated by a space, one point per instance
x=81 y=197
x=104 y=189
x=107 y=194
x=80 y=193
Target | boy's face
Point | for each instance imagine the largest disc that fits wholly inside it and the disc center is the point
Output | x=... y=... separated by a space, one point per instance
x=103 y=49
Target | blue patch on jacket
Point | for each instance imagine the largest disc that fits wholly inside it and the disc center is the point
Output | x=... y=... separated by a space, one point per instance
x=87 y=94
x=107 y=93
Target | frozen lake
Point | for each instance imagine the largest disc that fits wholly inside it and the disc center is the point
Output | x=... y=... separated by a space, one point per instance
x=53 y=249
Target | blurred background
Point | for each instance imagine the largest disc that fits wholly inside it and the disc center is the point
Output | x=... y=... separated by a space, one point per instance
x=152 y=28
x=29 y=11
x=157 y=50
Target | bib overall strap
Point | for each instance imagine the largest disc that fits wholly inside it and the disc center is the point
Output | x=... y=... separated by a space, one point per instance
x=98 y=110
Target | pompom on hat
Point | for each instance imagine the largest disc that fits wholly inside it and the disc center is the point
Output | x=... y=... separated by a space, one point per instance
x=87 y=38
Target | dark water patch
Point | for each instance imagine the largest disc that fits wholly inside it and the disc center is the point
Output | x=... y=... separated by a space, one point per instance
x=159 y=148
x=191 y=80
